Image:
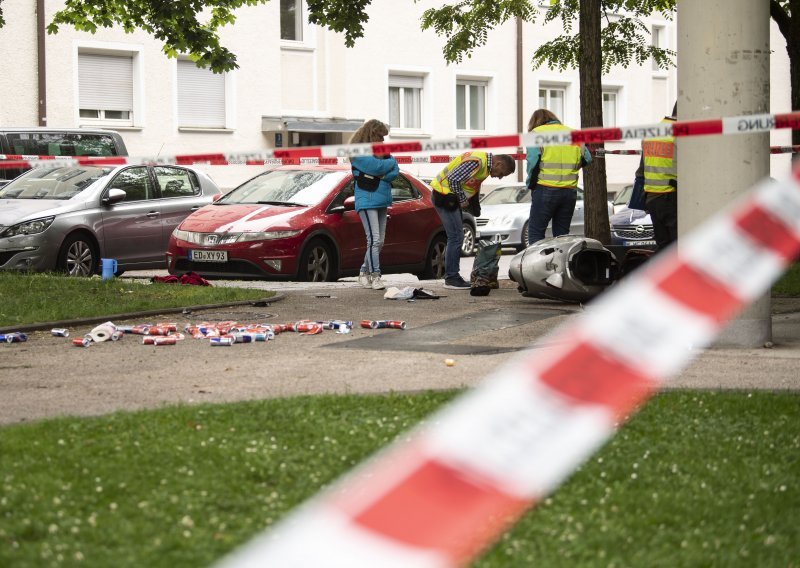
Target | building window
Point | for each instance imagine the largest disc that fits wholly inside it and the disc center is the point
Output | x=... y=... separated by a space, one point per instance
x=201 y=96
x=609 y=108
x=552 y=98
x=405 y=101
x=292 y=20
x=105 y=88
x=658 y=39
x=471 y=105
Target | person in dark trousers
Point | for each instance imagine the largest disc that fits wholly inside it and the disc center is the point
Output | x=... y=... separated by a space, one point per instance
x=659 y=170
x=457 y=188
x=552 y=178
x=373 y=193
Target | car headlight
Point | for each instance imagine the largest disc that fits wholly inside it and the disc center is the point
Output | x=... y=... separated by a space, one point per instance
x=28 y=227
x=504 y=221
x=182 y=235
x=267 y=236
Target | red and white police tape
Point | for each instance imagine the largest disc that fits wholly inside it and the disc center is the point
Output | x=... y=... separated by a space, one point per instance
x=601 y=152
x=745 y=124
x=442 y=493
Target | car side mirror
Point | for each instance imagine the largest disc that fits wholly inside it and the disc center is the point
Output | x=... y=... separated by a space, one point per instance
x=216 y=197
x=114 y=196
x=350 y=204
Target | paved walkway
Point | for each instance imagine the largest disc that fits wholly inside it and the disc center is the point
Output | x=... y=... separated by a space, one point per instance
x=47 y=376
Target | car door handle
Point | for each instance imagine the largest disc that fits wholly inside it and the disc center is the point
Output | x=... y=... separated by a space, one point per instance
x=196 y=207
x=153 y=214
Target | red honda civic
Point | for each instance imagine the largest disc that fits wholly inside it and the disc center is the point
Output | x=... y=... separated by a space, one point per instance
x=299 y=223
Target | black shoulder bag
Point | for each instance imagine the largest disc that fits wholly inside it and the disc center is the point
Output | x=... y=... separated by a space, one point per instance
x=366 y=181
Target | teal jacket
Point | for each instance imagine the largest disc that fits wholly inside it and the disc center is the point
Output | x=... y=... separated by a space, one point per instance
x=387 y=169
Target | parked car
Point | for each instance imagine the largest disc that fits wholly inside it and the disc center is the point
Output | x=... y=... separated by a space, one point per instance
x=68 y=218
x=505 y=213
x=621 y=199
x=632 y=228
x=44 y=141
x=469 y=225
x=299 y=222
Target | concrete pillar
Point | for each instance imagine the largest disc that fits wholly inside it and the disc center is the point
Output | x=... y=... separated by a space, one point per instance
x=723 y=70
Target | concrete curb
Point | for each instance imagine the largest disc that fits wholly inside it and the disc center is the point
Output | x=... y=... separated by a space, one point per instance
x=133 y=315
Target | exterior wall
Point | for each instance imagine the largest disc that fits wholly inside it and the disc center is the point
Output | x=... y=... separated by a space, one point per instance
x=18 y=105
x=321 y=78
x=780 y=100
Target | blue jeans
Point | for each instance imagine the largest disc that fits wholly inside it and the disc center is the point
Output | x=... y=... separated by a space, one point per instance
x=374 y=221
x=550 y=204
x=454 y=227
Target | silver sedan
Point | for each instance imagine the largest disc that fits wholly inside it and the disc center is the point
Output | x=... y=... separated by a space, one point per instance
x=67 y=218
x=505 y=213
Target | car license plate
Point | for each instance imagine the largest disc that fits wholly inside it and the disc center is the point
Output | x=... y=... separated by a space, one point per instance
x=639 y=243
x=208 y=255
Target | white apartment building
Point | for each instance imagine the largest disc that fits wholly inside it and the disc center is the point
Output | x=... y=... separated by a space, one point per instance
x=298 y=84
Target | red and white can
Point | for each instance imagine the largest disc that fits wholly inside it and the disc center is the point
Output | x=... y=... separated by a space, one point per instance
x=82 y=342
x=381 y=324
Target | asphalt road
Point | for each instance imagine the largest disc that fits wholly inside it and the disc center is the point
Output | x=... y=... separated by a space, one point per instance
x=48 y=376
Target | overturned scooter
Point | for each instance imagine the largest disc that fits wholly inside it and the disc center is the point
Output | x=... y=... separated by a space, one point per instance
x=569 y=268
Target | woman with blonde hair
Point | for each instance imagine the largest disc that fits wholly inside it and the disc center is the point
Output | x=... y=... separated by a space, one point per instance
x=373 y=192
x=552 y=178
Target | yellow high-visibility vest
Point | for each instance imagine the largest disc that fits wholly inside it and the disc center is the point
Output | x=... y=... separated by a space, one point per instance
x=473 y=184
x=559 y=165
x=660 y=164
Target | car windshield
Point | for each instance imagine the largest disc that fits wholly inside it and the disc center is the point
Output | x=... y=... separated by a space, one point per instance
x=506 y=194
x=286 y=187
x=623 y=196
x=52 y=183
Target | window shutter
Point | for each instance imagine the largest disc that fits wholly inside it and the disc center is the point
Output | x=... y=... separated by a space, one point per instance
x=201 y=96
x=406 y=81
x=105 y=82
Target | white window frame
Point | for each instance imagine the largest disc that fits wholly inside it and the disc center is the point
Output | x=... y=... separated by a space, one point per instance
x=230 y=98
x=424 y=101
x=659 y=38
x=467 y=82
x=611 y=92
x=548 y=86
x=135 y=52
x=308 y=40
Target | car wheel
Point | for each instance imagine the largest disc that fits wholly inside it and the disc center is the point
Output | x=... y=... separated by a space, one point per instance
x=78 y=256
x=316 y=264
x=524 y=238
x=434 y=260
x=468 y=245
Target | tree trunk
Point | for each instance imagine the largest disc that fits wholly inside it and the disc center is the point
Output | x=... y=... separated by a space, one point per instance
x=590 y=68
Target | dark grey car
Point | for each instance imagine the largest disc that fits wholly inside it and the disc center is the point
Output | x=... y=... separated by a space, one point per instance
x=67 y=218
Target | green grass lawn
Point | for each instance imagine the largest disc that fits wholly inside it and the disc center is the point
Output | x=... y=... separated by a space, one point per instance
x=789 y=284
x=695 y=479
x=32 y=298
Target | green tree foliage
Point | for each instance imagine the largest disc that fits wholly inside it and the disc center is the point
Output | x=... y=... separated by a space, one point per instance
x=624 y=37
x=174 y=22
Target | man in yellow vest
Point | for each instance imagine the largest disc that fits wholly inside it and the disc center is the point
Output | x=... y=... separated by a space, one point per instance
x=659 y=167
x=552 y=178
x=456 y=187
